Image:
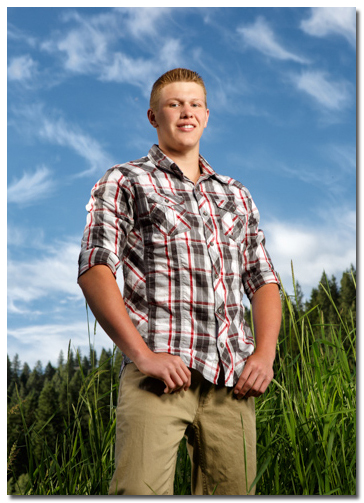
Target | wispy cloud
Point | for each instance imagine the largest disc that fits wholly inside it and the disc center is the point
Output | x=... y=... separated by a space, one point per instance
x=22 y=68
x=31 y=187
x=141 y=71
x=84 y=48
x=262 y=38
x=69 y=135
x=89 y=47
x=43 y=293
x=51 y=126
x=48 y=271
x=326 y=21
x=333 y=174
x=329 y=94
x=44 y=342
x=330 y=247
x=17 y=35
x=342 y=155
x=46 y=274
x=144 y=22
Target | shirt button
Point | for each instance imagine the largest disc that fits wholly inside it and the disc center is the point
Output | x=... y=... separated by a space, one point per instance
x=221 y=344
x=220 y=310
x=205 y=213
x=212 y=243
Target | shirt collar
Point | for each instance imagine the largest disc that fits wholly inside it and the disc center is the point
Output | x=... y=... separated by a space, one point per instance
x=162 y=161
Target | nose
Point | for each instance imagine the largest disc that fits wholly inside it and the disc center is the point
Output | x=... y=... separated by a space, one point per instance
x=186 y=110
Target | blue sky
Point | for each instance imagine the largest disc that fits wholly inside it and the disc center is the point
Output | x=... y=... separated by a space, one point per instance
x=281 y=89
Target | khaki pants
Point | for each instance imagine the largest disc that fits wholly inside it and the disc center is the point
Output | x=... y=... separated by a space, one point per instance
x=151 y=424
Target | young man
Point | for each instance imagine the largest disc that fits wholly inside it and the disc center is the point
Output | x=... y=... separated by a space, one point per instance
x=189 y=245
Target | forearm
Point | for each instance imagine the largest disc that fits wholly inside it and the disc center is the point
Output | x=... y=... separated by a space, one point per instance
x=105 y=300
x=267 y=314
x=258 y=370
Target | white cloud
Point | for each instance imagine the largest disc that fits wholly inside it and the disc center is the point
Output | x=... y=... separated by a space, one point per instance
x=49 y=272
x=53 y=272
x=142 y=71
x=84 y=48
x=330 y=248
x=260 y=36
x=44 y=342
x=127 y=69
x=326 y=21
x=53 y=128
x=331 y=95
x=31 y=187
x=344 y=156
x=142 y=22
x=18 y=35
x=22 y=68
x=69 y=135
x=333 y=174
x=89 y=47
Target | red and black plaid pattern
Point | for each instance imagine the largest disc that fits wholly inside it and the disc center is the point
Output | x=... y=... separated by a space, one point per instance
x=188 y=254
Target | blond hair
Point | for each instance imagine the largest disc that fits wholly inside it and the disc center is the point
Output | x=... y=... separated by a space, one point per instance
x=175 y=75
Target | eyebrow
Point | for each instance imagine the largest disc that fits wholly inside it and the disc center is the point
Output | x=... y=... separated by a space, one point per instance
x=179 y=99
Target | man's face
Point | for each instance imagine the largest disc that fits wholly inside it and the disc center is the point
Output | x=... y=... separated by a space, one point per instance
x=180 y=117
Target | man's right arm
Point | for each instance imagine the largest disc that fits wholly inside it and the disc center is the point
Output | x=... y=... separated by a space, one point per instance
x=105 y=300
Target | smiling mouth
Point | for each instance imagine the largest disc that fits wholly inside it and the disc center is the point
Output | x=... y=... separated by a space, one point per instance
x=186 y=127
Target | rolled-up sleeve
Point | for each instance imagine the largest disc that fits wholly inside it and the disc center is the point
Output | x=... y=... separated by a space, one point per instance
x=258 y=266
x=109 y=221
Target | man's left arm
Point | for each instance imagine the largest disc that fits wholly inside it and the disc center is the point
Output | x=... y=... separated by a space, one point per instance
x=258 y=370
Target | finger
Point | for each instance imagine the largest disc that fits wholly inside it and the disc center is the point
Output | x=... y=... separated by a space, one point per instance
x=185 y=375
x=170 y=385
x=248 y=386
x=244 y=383
x=258 y=388
x=183 y=372
x=175 y=380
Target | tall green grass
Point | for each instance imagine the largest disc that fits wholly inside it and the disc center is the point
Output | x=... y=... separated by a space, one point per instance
x=306 y=427
x=306 y=423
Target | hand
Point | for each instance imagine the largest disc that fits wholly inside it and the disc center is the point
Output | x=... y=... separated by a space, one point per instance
x=168 y=368
x=256 y=376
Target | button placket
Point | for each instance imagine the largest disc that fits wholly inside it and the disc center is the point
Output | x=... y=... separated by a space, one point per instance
x=214 y=256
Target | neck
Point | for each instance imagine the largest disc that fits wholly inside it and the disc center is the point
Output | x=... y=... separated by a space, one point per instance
x=188 y=162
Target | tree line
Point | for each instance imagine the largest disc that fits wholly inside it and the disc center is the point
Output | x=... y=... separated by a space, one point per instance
x=44 y=399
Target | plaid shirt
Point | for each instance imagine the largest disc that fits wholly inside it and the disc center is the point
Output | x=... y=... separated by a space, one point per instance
x=188 y=253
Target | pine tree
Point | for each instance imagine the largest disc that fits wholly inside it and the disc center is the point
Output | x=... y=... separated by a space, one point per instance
x=60 y=361
x=348 y=295
x=10 y=380
x=47 y=408
x=49 y=371
x=16 y=364
x=25 y=373
x=36 y=379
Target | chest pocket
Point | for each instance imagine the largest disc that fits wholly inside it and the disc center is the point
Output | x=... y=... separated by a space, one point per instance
x=168 y=214
x=233 y=218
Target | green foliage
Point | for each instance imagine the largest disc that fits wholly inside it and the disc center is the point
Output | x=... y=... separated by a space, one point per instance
x=306 y=421
x=61 y=421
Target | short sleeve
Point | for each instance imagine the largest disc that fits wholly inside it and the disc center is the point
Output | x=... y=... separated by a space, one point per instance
x=258 y=266
x=109 y=221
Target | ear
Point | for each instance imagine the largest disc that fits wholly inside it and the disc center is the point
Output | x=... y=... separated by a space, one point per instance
x=207 y=117
x=151 y=118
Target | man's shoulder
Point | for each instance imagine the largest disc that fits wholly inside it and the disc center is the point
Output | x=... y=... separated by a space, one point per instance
x=131 y=170
x=232 y=183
